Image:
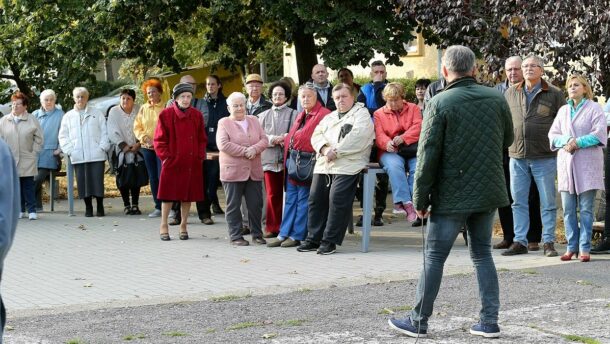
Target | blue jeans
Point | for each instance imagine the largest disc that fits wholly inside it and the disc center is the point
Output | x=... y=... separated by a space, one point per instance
x=28 y=194
x=579 y=238
x=153 y=167
x=442 y=232
x=402 y=186
x=544 y=172
x=294 y=221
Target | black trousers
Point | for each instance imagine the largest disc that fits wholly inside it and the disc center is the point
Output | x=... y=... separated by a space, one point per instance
x=331 y=199
x=534 y=234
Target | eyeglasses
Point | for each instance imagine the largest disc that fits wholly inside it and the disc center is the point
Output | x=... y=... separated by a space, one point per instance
x=516 y=69
x=277 y=95
x=530 y=66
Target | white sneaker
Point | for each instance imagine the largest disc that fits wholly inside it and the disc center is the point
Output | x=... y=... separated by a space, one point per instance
x=155 y=213
x=33 y=216
x=21 y=215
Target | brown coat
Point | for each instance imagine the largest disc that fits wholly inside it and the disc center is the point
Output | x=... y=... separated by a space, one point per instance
x=25 y=140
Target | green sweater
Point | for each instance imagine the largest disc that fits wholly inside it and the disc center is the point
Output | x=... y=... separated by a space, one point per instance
x=459 y=160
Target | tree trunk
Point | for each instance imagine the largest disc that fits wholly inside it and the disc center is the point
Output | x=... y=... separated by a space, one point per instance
x=306 y=57
x=108 y=70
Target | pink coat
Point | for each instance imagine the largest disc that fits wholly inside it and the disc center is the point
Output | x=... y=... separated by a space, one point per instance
x=583 y=170
x=232 y=142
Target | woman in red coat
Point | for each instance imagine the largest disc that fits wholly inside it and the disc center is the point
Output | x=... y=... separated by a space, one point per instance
x=180 y=142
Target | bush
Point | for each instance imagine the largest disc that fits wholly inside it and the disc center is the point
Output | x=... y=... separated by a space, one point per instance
x=408 y=84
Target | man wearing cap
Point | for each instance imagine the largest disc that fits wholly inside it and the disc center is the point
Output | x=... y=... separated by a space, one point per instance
x=180 y=142
x=256 y=101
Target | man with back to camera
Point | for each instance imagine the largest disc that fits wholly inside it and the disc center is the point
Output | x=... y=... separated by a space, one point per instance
x=459 y=181
x=9 y=212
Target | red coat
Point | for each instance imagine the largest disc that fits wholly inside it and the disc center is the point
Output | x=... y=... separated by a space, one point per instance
x=388 y=125
x=302 y=136
x=180 y=142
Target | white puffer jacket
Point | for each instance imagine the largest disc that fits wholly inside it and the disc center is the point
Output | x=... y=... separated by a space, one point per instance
x=354 y=145
x=84 y=140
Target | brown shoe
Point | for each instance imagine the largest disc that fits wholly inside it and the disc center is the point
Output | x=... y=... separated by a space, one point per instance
x=259 y=241
x=549 y=249
x=533 y=246
x=514 y=249
x=240 y=242
x=245 y=230
x=269 y=235
x=207 y=221
x=290 y=243
x=274 y=243
x=502 y=245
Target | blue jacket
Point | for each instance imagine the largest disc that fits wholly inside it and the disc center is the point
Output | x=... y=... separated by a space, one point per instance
x=50 y=123
x=371 y=96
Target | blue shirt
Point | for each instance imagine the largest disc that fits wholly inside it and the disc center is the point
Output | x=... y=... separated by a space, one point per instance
x=529 y=95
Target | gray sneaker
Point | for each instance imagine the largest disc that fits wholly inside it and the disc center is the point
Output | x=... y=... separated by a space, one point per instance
x=155 y=213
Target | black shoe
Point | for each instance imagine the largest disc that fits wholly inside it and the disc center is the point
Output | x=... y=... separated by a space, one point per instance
x=100 y=210
x=307 y=246
x=327 y=248
x=127 y=210
x=245 y=230
x=378 y=221
x=259 y=241
x=89 y=212
x=359 y=222
x=514 y=249
x=135 y=210
x=217 y=209
x=603 y=247
x=419 y=222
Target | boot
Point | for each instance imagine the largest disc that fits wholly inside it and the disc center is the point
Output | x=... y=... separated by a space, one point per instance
x=378 y=219
x=100 y=207
x=88 y=207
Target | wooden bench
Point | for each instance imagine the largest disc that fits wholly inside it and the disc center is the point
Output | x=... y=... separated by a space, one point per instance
x=598 y=229
x=52 y=181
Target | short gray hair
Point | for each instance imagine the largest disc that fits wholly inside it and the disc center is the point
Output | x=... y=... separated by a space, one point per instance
x=48 y=92
x=513 y=58
x=80 y=90
x=459 y=59
x=539 y=60
x=307 y=86
x=234 y=97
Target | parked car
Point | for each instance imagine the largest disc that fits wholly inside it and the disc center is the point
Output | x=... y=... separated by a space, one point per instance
x=5 y=109
x=105 y=103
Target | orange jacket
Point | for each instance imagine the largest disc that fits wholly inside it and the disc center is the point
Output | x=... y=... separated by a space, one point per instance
x=388 y=125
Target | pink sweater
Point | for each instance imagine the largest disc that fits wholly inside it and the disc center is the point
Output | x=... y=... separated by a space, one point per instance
x=232 y=142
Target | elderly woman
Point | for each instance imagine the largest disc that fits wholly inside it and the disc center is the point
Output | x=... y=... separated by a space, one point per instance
x=579 y=134
x=120 y=132
x=84 y=138
x=343 y=140
x=180 y=142
x=397 y=127
x=276 y=122
x=49 y=116
x=294 y=224
x=144 y=127
x=23 y=134
x=241 y=140
x=421 y=85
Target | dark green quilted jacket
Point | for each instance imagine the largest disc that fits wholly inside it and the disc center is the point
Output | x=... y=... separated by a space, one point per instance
x=459 y=158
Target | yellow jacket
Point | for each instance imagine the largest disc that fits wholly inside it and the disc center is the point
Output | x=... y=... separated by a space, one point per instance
x=146 y=122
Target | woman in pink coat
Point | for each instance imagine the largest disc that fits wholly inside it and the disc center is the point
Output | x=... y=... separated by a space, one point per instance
x=241 y=140
x=579 y=134
x=179 y=142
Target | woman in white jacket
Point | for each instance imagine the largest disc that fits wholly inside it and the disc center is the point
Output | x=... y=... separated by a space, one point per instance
x=343 y=141
x=84 y=138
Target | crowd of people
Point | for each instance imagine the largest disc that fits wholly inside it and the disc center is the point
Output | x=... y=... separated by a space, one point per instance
x=290 y=162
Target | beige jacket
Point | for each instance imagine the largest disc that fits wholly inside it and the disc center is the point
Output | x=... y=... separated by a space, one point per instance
x=25 y=140
x=353 y=148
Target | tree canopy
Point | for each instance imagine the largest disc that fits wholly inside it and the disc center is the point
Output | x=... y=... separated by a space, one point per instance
x=572 y=36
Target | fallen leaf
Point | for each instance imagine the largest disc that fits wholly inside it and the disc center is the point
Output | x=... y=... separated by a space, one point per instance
x=81 y=226
x=9 y=328
x=269 y=335
x=244 y=260
x=88 y=285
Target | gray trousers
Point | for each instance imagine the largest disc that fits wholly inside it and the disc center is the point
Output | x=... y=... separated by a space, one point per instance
x=252 y=193
x=244 y=209
x=331 y=199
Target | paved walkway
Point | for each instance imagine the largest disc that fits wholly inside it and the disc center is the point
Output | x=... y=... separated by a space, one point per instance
x=61 y=263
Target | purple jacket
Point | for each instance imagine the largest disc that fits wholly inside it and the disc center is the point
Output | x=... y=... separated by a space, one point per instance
x=583 y=170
